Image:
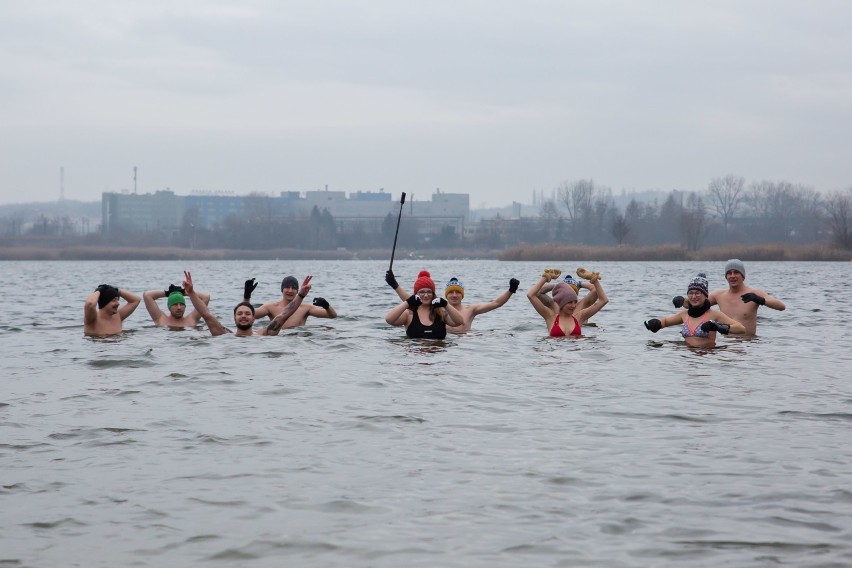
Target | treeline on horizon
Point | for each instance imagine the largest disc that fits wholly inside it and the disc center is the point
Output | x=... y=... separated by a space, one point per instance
x=549 y=252
x=580 y=213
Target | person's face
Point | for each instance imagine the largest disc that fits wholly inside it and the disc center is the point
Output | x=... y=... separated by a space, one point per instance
x=112 y=306
x=289 y=293
x=243 y=318
x=734 y=277
x=695 y=298
x=426 y=295
x=454 y=297
x=569 y=307
x=177 y=310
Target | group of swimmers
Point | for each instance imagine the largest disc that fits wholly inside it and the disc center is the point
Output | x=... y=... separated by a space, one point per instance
x=103 y=312
x=424 y=314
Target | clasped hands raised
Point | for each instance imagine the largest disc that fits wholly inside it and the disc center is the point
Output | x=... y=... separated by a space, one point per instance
x=553 y=273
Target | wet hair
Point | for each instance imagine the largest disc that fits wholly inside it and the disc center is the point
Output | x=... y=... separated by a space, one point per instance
x=290 y=282
x=247 y=304
x=108 y=294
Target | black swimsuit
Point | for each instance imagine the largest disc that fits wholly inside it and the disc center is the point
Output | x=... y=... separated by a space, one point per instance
x=416 y=329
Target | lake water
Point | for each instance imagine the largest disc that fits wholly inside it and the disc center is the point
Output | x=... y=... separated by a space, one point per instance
x=344 y=444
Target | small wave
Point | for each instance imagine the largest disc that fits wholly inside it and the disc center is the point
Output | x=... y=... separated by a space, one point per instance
x=845 y=416
x=91 y=433
x=22 y=446
x=120 y=363
x=264 y=548
x=676 y=417
x=233 y=441
x=283 y=391
x=780 y=546
x=67 y=521
x=393 y=418
x=275 y=354
x=232 y=503
x=785 y=522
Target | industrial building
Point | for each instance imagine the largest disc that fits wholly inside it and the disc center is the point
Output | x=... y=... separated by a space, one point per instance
x=359 y=211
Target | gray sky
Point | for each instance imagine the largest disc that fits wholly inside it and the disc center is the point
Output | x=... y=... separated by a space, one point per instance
x=492 y=98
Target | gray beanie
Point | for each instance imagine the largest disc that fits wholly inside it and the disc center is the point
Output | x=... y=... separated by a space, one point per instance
x=290 y=282
x=735 y=264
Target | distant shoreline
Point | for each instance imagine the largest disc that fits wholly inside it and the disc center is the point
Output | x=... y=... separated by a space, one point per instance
x=543 y=252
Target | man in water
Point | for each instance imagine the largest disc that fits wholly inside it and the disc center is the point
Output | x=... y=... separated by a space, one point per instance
x=244 y=314
x=454 y=292
x=739 y=301
x=102 y=315
x=289 y=288
x=176 y=304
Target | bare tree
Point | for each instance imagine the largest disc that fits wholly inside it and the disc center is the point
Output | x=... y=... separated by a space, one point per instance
x=549 y=210
x=838 y=205
x=786 y=210
x=725 y=193
x=693 y=222
x=604 y=211
x=577 y=198
x=619 y=228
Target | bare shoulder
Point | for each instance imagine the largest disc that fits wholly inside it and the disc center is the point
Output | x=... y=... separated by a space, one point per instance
x=720 y=292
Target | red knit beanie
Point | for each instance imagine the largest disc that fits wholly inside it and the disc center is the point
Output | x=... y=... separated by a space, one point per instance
x=424 y=280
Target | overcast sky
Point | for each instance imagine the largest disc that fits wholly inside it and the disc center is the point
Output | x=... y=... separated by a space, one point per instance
x=492 y=98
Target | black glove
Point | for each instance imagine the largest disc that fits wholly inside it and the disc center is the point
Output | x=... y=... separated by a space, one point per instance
x=248 y=288
x=678 y=301
x=711 y=325
x=752 y=297
x=439 y=303
x=654 y=325
x=413 y=300
x=173 y=288
x=391 y=279
x=513 y=285
x=321 y=302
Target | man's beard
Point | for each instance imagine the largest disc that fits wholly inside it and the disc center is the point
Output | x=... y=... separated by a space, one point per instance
x=245 y=326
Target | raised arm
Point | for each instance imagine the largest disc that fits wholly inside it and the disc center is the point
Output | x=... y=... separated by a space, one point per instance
x=131 y=303
x=390 y=278
x=601 y=300
x=761 y=298
x=322 y=309
x=198 y=303
x=498 y=301
x=90 y=308
x=401 y=313
x=532 y=294
x=278 y=321
x=656 y=325
x=150 y=297
x=453 y=316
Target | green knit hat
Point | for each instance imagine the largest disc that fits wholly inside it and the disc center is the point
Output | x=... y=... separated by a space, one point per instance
x=175 y=298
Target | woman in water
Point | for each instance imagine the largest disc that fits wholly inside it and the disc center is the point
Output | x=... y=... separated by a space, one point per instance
x=699 y=323
x=423 y=314
x=564 y=319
